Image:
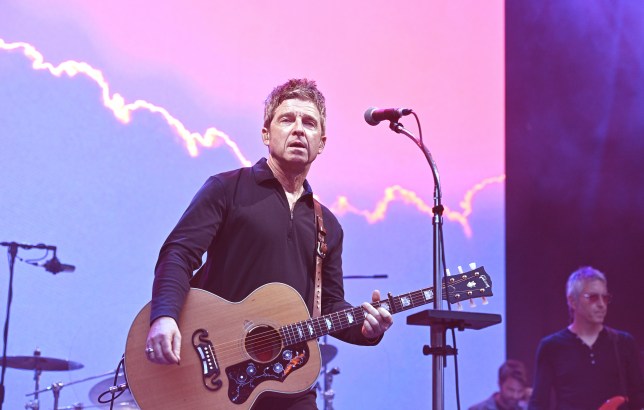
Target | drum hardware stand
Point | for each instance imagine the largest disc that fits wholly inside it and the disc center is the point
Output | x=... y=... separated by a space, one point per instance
x=328 y=393
x=12 y=253
x=34 y=404
x=56 y=388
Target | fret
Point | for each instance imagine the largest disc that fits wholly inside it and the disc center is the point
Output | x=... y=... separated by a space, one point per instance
x=337 y=321
x=350 y=318
x=317 y=327
x=328 y=323
x=333 y=322
x=406 y=301
x=299 y=332
x=320 y=326
x=428 y=294
x=397 y=305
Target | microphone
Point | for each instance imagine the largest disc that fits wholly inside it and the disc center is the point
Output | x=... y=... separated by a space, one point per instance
x=54 y=266
x=373 y=115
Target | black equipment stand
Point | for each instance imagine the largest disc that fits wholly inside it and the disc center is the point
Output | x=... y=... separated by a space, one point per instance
x=12 y=253
x=440 y=321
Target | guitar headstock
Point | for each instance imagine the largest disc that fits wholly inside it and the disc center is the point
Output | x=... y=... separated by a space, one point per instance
x=470 y=285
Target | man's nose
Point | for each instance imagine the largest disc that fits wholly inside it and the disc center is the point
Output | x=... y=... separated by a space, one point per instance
x=298 y=126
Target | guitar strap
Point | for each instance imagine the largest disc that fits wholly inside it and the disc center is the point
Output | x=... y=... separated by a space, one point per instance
x=614 y=336
x=320 y=253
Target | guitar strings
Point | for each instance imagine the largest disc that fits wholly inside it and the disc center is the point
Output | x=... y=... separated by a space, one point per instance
x=271 y=340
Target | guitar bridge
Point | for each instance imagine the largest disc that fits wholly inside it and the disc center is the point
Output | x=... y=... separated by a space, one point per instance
x=206 y=352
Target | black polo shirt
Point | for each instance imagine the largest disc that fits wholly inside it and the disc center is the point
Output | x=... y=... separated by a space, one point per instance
x=243 y=221
x=583 y=377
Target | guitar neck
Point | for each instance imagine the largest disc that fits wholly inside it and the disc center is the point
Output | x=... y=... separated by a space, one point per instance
x=317 y=327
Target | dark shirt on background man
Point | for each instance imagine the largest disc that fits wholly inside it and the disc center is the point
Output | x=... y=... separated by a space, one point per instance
x=583 y=377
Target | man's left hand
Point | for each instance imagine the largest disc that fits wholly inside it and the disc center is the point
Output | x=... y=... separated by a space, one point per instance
x=377 y=321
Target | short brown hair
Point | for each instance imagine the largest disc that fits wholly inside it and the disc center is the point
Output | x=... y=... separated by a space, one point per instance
x=302 y=89
x=513 y=369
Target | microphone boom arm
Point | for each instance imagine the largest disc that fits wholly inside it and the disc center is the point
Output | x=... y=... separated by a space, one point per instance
x=400 y=129
x=437 y=337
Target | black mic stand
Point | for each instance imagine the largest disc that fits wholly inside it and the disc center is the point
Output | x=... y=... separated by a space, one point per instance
x=438 y=319
x=12 y=252
x=437 y=337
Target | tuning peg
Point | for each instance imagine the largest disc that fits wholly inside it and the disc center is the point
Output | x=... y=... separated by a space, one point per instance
x=447 y=272
x=473 y=265
x=460 y=269
x=484 y=300
x=459 y=307
x=472 y=304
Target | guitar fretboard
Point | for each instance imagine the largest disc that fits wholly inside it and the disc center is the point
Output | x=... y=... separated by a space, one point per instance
x=317 y=327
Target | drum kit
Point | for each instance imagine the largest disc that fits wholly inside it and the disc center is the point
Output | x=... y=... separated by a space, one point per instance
x=100 y=395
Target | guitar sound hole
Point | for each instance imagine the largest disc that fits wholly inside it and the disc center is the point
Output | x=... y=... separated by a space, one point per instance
x=263 y=343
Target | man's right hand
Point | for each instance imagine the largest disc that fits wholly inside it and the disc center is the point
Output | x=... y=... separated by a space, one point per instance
x=163 y=345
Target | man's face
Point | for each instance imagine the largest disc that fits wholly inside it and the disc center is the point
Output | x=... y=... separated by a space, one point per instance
x=294 y=136
x=591 y=305
x=511 y=392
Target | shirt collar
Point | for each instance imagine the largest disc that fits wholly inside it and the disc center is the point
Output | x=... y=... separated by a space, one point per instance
x=263 y=173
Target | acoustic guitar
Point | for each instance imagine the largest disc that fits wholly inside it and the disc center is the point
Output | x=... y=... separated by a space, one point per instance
x=231 y=353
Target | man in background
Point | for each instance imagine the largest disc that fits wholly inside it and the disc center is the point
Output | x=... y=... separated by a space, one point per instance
x=513 y=389
x=587 y=363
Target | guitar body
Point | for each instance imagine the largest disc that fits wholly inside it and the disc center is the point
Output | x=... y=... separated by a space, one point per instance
x=231 y=353
x=613 y=403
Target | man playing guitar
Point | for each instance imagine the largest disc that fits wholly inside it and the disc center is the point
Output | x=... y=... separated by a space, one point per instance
x=258 y=226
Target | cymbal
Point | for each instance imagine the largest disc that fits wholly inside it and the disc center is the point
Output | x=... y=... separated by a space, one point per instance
x=120 y=406
x=41 y=363
x=328 y=353
x=104 y=385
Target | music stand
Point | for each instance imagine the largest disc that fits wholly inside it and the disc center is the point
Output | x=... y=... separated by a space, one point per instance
x=440 y=321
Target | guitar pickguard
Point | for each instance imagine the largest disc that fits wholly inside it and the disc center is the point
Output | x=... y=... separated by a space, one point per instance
x=244 y=377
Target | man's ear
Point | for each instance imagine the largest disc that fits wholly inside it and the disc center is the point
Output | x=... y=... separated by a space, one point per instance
x=322 y=144
x=265 y=136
